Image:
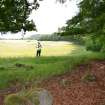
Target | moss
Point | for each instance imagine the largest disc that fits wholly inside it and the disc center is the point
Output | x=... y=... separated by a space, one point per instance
x=30 y=97
x=15 y=99
x=33 y=96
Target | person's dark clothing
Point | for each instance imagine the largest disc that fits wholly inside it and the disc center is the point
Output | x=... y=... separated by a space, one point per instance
x=39 y=46
x=38 y=53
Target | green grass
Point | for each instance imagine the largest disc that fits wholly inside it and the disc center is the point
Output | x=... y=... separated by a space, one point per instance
x=35 y=69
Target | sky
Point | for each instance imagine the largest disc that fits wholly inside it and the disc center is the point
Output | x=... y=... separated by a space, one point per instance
x=50 y=16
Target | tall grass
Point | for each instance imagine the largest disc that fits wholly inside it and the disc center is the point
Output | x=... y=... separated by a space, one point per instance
x=39 y=68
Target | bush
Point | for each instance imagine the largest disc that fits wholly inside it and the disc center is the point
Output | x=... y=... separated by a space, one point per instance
x=94 y=47
x=93 y=44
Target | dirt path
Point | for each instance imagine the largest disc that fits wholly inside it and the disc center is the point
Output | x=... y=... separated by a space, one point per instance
x=1 y=100
x=71 y=89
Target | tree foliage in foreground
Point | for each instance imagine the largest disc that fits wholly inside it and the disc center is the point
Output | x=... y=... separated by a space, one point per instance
x=90 y=19
x=14 y=15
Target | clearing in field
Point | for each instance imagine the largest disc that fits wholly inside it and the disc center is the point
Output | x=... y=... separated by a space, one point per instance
x=26 y=48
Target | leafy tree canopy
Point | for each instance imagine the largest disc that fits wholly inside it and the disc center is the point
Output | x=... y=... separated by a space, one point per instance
x=14 y=15
x=91 y=17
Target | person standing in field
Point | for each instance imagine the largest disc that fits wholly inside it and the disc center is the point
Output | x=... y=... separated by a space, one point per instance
x=38 y=47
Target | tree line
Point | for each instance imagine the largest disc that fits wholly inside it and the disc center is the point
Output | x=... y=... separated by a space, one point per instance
x=89 y=22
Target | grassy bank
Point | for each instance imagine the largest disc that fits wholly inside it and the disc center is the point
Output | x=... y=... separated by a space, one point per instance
x=23 y=70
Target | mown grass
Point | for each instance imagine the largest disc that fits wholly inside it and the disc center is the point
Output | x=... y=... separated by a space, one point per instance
x=34 y=69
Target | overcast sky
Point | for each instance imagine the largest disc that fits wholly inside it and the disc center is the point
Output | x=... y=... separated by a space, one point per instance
x=50 y=16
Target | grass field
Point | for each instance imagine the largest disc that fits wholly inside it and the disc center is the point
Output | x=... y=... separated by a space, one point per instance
x=25 y=48
x=18 y=63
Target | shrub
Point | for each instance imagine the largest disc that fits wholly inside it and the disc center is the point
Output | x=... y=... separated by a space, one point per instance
x=94 y=47
x=93 y=44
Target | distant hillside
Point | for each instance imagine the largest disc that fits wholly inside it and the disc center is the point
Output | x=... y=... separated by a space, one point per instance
x=36 y=36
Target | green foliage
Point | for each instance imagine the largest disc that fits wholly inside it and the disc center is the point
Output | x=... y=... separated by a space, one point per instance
x=44 y=67
x=94 y=46
x=15 y=99
x=90 y=19
x=95 y=43
x=26 y=68
x=14 y=15
x=25 y=97
x=77 y=39
x=103 y=48
x=93 y=11
x=50 y=38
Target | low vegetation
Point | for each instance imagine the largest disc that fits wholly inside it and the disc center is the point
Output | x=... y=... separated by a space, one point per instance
x=30 y=97
x=16 y=71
